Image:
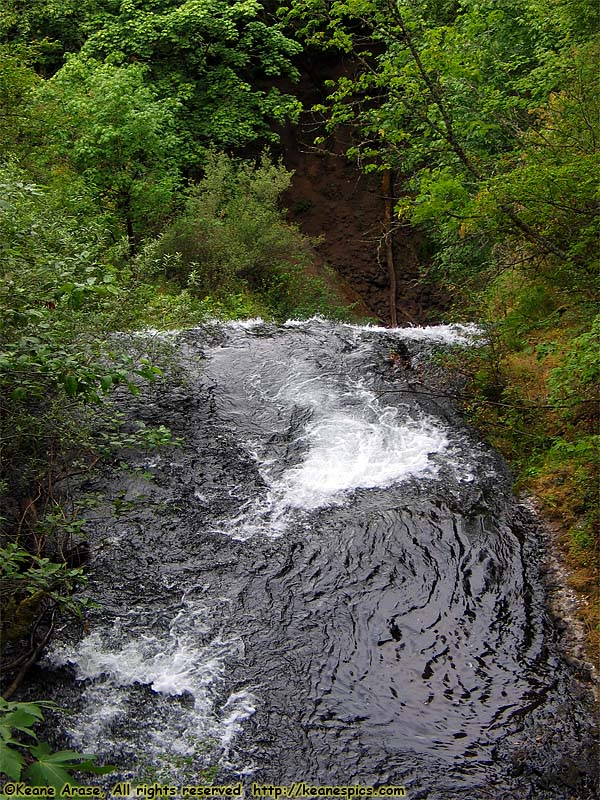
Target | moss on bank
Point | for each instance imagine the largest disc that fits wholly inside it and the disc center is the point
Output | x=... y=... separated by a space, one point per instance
x=533 y=394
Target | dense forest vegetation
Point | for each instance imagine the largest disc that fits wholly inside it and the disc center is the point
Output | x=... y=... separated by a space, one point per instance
x=134 y=194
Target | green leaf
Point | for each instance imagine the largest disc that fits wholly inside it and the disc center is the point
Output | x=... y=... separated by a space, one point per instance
x=70 y=383
x=11 y=760
x=34 y=709
x=54 y=769
x=43 y=752
x=20 y=720
x=48 y=773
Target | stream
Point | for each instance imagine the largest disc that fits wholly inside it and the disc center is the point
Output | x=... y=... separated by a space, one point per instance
x=329 y=581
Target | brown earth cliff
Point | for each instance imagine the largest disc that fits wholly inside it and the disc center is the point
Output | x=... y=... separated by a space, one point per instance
x=332 y=199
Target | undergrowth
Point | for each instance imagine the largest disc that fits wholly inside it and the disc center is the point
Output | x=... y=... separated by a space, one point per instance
x=533 y=392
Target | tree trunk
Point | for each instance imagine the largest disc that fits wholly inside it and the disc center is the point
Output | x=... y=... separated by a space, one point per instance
x=388 y=199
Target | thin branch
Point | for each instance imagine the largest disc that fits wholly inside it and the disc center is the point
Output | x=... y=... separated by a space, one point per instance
x=31 y=660
x=389 y=248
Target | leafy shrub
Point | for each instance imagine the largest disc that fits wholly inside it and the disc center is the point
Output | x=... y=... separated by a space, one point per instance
x=233 y=241
x=574 y=384
x=58 y=294
x=23 y=758
x=230 y=230
x=29 y=584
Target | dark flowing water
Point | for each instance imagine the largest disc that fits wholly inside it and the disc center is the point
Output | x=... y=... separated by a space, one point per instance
x=329 y=582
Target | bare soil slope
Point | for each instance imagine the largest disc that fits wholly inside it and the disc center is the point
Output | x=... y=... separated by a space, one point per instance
x=332 y=199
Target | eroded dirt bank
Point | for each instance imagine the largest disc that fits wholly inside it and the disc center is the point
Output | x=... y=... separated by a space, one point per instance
x=332 y=199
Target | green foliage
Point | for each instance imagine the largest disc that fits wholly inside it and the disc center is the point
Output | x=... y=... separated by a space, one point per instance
x=30 y=584
x=125 y=147
x=516 y=304
x=49 y=255
x=534 y=394
x=574 y=384
x=463 y=101
x=242 y=305
x=552 y=180
x=17 y=80
x=232 y=242
x=210 y=54
x=51 y=283
x=55 y=295
x=58 y=293
x=134 y=94
x=214 y=58
x=23 y=758
x=231 y=231
x=49 y=29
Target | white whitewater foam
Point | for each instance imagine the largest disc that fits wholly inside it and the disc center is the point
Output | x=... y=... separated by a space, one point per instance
x=154 y=333
x=248 y=324
x=173 y=664
x=349 y=452
x=172 y=333
x=299 y=323
x=441 y=334
x=350 y=441
x=167 y=668
x=456 y=333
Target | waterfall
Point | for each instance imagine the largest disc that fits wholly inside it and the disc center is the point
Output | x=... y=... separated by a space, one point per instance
x=329 y=582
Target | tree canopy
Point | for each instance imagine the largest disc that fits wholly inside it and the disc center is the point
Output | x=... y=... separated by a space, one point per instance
x=491 y=112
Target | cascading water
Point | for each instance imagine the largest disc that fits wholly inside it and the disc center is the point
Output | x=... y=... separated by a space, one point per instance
x=329 y=582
